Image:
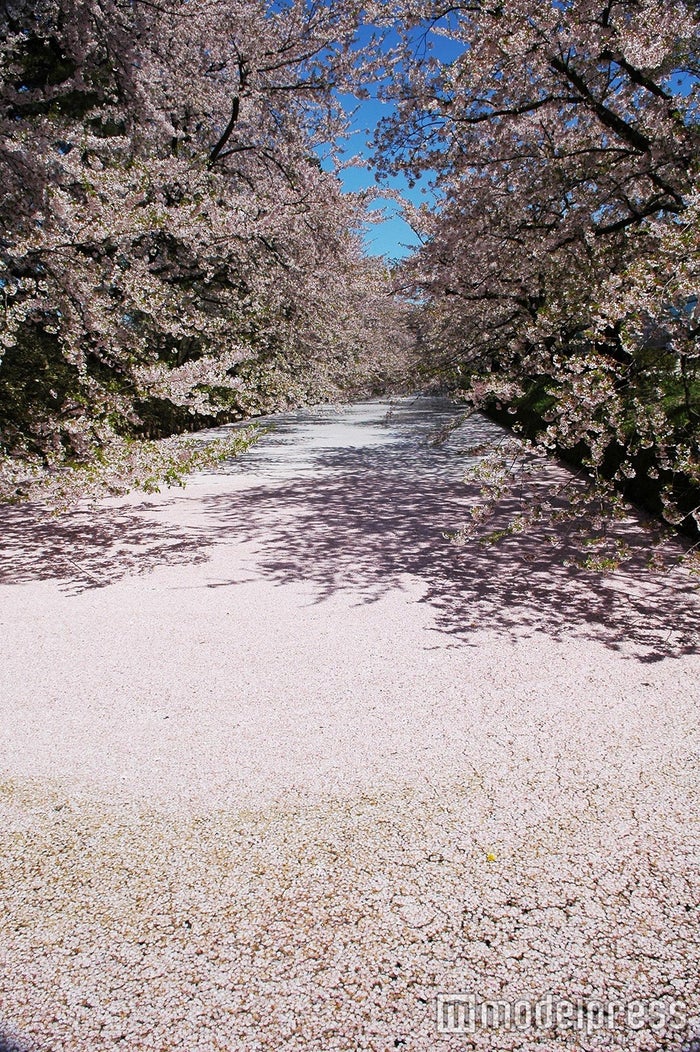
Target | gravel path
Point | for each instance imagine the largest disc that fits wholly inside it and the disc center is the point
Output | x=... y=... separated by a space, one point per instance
x=279 y=765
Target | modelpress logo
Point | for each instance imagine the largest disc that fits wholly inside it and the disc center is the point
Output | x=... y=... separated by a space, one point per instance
x=465 y=1013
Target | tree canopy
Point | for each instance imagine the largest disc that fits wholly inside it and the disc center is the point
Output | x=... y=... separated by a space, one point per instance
x=172 y=247
x=559 y=272
x=174 y=251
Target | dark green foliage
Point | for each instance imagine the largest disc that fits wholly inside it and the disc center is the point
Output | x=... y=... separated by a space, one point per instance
x=34 y=375
x=529 y=415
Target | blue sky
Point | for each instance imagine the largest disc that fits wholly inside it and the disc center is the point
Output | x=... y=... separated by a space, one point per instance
x=391 y=236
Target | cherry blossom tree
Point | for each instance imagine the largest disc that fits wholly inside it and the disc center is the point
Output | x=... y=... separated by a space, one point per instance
x=558 y=272
x=171 y=244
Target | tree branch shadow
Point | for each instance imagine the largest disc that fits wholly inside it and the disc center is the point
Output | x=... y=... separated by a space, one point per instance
x=363 y=518
x=11 y=1042
x=85 y=548
x=366 y=523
